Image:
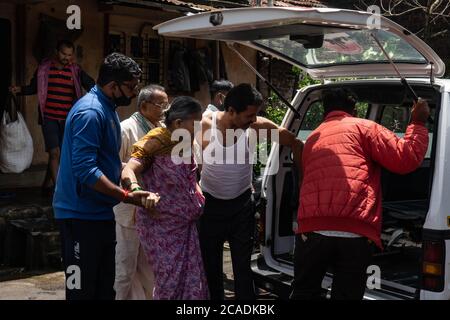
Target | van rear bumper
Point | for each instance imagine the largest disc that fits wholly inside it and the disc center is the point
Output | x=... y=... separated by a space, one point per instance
x=270 y=279
x=279 y=283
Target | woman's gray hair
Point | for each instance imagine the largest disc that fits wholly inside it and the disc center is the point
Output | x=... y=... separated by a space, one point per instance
x=147 y=92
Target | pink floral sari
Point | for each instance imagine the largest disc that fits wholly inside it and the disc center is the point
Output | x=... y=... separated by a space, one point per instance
x=171 y=241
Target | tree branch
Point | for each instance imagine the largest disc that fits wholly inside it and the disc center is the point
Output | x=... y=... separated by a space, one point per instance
x=402 y=13
x=397 y=3
x=447 y=6
x=437 y=34
x=364 y=4
x=415 y=4
x=434 y=5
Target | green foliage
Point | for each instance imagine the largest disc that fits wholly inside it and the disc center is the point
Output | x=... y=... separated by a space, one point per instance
x=314 y=116
x=361 y=109
x=305 y=79
x=276 y=109
x=257 y=168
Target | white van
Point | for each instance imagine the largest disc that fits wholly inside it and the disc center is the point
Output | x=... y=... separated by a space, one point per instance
x=332 y=44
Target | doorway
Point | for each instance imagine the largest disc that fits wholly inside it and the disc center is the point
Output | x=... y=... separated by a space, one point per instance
x=5 y=61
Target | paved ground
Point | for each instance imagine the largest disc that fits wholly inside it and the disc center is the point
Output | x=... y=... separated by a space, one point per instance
x=50 y=286
x=41 y=287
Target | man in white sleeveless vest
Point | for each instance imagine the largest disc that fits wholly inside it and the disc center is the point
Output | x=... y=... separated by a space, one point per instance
x=226 y=181
x=134 y=276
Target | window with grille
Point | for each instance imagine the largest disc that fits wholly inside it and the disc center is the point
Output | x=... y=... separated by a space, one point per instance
x=148 y=52
x=116 y=43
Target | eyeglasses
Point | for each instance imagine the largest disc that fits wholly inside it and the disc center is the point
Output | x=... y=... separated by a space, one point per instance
x=163 y=105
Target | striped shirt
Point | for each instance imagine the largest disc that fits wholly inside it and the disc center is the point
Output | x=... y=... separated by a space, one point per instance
x=60 y=93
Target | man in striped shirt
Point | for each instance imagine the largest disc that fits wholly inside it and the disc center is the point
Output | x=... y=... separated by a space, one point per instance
x=58 y=83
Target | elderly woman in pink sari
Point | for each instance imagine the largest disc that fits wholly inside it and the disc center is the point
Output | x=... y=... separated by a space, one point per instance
x=168 y=233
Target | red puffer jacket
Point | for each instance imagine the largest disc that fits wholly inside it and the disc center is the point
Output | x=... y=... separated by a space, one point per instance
x=342 y=162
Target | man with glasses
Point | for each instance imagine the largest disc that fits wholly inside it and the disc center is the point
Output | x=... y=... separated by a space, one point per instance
x=134 y=276
x=87 y=185
x=58 y=83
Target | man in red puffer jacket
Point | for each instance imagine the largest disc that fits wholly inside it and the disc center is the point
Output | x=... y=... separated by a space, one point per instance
x=339 y=215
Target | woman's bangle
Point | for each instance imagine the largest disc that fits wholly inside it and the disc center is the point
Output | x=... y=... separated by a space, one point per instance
x=136 y=189
x=131 y=184
x=125 y=194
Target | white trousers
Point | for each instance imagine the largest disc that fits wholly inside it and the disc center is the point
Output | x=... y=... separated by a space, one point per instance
x=134 y=275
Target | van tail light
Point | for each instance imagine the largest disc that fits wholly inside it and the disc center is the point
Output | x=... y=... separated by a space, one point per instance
x=433 y=271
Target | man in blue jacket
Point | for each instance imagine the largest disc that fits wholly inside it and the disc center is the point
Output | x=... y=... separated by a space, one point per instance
x=87 y=184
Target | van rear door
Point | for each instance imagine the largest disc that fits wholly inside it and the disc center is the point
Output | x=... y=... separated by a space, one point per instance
x=324 y=42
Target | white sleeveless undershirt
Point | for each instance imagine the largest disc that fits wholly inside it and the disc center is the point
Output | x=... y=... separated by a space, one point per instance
x=226 y=171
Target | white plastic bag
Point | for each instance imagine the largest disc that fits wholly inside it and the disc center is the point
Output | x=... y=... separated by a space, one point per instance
x=16 y=144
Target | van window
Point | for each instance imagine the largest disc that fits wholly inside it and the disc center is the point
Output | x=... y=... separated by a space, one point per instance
x=314 y=117
x=396 y=118
x=337 y=47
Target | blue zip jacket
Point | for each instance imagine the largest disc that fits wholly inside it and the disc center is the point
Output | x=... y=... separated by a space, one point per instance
x=90 y=149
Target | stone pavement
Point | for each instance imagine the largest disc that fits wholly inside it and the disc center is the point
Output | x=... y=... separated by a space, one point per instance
x=50 y=286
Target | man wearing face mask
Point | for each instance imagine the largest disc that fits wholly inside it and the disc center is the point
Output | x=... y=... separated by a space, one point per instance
x=87 y=187
x=218 y=91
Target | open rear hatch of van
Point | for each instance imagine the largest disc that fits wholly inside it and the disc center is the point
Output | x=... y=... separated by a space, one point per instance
x=327 y=43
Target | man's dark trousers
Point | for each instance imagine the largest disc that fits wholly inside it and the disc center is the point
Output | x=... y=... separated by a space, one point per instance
x=348 y=259
x=233 y=221
x=88 y=251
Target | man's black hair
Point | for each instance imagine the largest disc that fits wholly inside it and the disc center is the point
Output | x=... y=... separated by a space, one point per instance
x=242 y=96
x=338 y=99
x=220 y=85
x=64 y=43
x=118 y=67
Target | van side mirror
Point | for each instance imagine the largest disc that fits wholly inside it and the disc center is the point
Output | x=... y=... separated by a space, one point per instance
x=308 y=42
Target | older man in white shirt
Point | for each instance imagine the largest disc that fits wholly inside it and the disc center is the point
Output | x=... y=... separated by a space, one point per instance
x=134 y=276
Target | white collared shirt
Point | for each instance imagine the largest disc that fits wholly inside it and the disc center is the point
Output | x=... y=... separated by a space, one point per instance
x=131 y=133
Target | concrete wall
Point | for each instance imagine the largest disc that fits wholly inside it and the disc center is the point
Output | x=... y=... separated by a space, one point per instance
x=91 y=40
x=131 y=21
x=237 y=71
x=122 y=19
x=7 y=11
